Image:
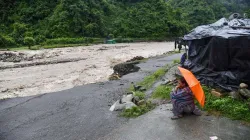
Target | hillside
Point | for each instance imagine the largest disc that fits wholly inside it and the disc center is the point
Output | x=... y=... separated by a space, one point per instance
x=26 y=22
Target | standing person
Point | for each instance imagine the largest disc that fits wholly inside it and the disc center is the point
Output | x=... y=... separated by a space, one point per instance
x=182 y=100
x=183 y=59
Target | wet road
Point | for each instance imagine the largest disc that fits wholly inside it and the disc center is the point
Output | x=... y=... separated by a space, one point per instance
x=157 y=125
x=75 y=114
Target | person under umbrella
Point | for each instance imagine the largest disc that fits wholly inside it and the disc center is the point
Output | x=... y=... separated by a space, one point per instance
x=182 y=100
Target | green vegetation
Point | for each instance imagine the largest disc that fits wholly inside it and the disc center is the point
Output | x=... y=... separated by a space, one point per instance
x=162 y=92
x=140 y=94
x=232 y=108
x=72 y=21
x=29 y=41
x=151 y=79
x=138 y=111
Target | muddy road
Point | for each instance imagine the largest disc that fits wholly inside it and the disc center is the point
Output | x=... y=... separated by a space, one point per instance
x=79 y=66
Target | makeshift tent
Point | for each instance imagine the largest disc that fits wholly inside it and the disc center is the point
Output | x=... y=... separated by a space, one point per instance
x=219 y=53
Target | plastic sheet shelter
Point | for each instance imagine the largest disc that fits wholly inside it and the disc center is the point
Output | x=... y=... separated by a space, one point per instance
x=219 y=53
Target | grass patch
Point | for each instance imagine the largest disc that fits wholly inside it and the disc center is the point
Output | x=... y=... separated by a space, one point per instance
x=150 y=80
x=138 y=111
x=139 y=94
x=162 y=92
x=231 y=108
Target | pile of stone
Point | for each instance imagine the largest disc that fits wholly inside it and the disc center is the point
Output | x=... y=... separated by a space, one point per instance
x=126 y=102
x=242 y=93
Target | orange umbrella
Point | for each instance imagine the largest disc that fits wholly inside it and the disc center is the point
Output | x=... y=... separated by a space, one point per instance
x=194 y=85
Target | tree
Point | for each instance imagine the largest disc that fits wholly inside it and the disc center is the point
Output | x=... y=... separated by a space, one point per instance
x=6 y=41
x=29 y=41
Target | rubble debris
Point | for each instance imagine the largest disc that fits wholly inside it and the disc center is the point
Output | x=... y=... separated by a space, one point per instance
x=137 y=58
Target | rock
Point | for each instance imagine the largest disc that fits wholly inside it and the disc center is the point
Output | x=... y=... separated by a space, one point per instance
x=245 y=93
x=127 y=98
x=117 y=106
x=141 y=102
x=243 y=85
x=235 y=95
x=129 y=105
x=216 y=93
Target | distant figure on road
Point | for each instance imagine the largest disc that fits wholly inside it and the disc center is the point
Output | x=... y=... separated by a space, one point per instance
x=183 y=100
x=183 y=59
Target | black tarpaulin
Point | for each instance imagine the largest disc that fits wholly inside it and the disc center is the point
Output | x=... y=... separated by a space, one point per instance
x=219 y=55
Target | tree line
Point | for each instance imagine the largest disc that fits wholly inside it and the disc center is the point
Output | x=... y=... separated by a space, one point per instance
x=27 y=22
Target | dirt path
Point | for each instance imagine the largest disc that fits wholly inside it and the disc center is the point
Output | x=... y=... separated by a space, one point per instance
x=94 y=65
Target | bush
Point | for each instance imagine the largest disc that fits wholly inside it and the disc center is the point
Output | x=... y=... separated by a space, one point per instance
x=6 y=41
x=18 y=32
x=29 y=41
